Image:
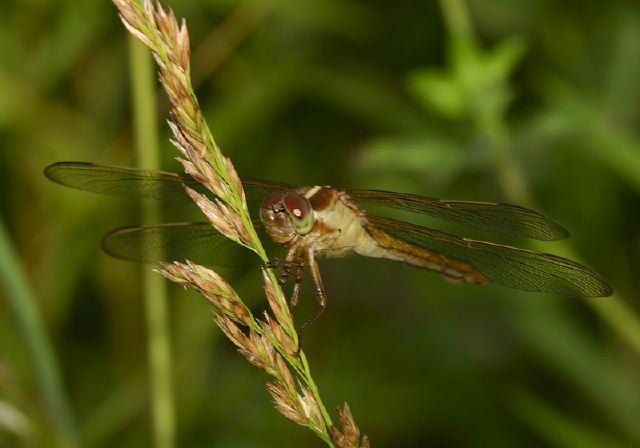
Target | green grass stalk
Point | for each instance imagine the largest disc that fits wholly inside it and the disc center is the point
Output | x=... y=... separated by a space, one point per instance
x=23 y=305
x=155 y=296
x=555 y=427
x=456 y=15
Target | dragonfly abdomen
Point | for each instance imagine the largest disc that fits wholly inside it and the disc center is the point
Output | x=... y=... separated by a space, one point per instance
x=396 y=249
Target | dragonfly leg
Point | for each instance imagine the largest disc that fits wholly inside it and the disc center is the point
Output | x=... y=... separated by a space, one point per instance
x=299 y=270
x=320 y=294
x=295 y=270
x=291 y=267
x=286 y=268
x=285 y=272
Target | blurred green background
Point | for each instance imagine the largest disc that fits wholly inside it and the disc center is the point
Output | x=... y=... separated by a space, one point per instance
x=528 y=101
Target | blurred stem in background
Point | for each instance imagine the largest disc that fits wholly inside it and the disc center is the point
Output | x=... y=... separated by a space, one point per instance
x=155 y=297
x=24 y=309
x=488 y=118
x=225 y=38
x=457 y=19
x=556 y=428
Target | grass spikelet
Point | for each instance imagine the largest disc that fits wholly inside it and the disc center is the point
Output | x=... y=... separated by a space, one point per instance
x=270 y=344
x=349 y=437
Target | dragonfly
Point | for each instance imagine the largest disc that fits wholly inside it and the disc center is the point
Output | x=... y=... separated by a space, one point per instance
x=318 y=221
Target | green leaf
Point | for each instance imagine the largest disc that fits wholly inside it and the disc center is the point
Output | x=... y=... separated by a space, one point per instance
x=437 y=159
x=475 y=83
x=438 y=91
x=502 y=61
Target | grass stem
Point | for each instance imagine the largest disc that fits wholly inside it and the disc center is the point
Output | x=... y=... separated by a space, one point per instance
x=456 y=16
x=155 y=297
x=23 y=304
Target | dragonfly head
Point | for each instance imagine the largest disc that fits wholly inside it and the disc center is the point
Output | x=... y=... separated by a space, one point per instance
x=286 y=215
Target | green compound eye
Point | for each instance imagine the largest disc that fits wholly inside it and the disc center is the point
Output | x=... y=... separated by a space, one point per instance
x=299 y=210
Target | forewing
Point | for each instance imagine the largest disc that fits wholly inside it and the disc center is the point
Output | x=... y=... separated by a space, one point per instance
x=503 y=218
x=148 y=184
x=195 y=241
x=504 y=265
x=122 y=181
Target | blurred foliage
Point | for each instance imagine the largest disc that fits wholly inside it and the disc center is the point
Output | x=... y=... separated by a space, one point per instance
x=528 y=100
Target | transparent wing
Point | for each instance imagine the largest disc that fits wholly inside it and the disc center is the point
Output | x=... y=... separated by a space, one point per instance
x=195 y=241
x=504 y=265
x=128 y=181
x=503 y=218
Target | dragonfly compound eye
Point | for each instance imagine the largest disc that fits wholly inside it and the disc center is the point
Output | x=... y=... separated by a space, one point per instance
x=299 y=210
x=271 y=200
x=297 y=206
x=269 y=213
